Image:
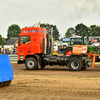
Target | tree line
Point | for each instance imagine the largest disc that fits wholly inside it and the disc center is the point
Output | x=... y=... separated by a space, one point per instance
x=83 y=30
x=80 y=29
x=14 y=30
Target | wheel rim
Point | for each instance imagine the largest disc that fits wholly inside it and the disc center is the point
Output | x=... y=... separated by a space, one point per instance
x=75 y=64
x=30 y=64
x=68 y=53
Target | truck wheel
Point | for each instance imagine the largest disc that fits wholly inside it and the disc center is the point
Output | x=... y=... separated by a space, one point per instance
x=68 y=51
x=31 y=63
x=75 y=64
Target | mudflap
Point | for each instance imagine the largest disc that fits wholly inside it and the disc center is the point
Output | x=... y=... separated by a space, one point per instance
x=6 y=70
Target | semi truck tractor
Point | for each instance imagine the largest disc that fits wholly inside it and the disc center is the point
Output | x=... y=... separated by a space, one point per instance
x=36 y=51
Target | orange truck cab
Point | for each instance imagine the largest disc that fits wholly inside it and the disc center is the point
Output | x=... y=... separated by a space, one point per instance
x=30 y=42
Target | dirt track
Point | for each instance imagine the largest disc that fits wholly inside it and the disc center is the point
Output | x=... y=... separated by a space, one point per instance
x=53 y=83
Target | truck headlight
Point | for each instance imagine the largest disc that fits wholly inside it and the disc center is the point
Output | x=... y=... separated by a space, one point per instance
x=21 y=57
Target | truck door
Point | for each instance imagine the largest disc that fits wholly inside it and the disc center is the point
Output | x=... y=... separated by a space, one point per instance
x=24 y=45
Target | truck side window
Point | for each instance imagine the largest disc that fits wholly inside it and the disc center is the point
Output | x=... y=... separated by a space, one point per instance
x=25 y=39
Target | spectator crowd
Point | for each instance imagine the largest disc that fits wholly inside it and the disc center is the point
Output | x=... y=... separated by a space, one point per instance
x=9 y=51
x=61 y=49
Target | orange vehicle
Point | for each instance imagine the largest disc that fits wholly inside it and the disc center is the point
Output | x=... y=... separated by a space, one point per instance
x=31 y=41
x=30 y=45
x=36 y=51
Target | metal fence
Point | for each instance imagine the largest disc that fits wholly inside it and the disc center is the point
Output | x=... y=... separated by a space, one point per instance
x=13 y=57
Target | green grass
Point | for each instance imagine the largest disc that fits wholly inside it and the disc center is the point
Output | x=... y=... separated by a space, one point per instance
x=13 y=61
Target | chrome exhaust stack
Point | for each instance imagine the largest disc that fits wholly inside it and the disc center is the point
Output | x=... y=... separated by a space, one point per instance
x=44 y=43
x=51 y=41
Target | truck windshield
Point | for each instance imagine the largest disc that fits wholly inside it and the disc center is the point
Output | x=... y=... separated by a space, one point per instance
x=75 y=41
x=24 y=39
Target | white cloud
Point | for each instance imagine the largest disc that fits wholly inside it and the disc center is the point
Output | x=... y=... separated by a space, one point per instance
x=63 y=13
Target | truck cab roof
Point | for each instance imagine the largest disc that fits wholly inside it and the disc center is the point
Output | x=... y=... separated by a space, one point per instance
x=32 y=30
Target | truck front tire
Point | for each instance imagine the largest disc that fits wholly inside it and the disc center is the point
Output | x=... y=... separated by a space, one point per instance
x=31 y=63
x=75 y=64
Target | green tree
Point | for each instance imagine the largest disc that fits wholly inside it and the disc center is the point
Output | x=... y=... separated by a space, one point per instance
x=55 y=30
x=1 y=40
x=98 y=30
x=69 y=32
x=55 y=33
x=13 y=31
x=94 y=30
x=82 y=30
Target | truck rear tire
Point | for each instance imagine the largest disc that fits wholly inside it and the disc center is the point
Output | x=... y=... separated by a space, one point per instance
x=75 y=64
x=31 y=63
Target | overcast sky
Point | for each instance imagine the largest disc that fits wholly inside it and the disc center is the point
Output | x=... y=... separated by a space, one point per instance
x=62 y=13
